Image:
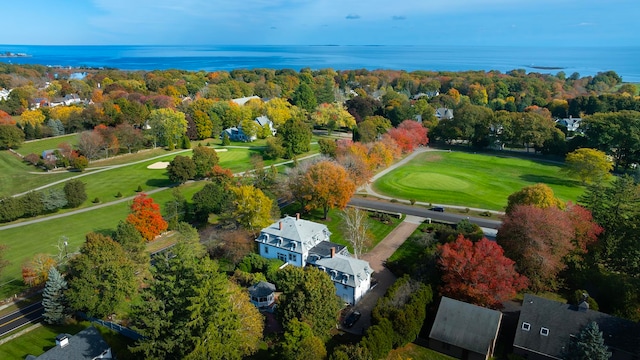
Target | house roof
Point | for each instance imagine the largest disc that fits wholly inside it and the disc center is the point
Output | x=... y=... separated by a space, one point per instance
x=244 y=100
x=444 y=113
x=263 y=120
x=305 y=234
x=349 y=271
x=465 y=325
x=323 y=249
x=87 y=344
x=563 y=320
x=262 y=289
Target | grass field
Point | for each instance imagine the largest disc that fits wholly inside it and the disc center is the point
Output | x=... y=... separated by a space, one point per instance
x=15 y=176
x=479 y=181
x=39 y=340
x=25 y=241
x=40 y=145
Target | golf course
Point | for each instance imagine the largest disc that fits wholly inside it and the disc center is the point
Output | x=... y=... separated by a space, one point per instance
x=472 y=180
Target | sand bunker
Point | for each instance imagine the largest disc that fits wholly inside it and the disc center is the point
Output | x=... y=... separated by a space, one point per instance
x=161 y=165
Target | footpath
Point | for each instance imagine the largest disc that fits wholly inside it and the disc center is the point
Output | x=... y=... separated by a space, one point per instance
x=377 y=258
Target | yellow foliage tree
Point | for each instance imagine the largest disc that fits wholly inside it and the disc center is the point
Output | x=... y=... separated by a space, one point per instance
x=539 y=195
x=251 y=207
x=588 y=165
x=333 y=116
x=278 y=110
x=34 y=117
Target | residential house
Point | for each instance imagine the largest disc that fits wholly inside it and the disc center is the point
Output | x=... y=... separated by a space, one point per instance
x=306 y=243
x=572 y=124
x=236 y=134
x=263 y=121
x=87 y=344
x=262 y=295
x=428 y=94
x=244 y=100
x=444 y=113
x=546 y=326
x=465 y=331
x=350 y=276
x=4 y=94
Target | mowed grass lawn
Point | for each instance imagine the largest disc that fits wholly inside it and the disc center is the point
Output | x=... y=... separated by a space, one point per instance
x=472 y=180
x=25 y=241
x=16 y=176
x=40 y=145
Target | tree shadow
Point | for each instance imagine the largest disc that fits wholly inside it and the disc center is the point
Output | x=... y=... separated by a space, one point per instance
x=158 y=182
x=553 y=180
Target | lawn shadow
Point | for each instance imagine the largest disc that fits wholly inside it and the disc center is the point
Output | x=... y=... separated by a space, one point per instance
x=158 y=182
x=550 y=180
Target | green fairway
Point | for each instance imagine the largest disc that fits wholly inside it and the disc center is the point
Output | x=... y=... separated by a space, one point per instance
x=16 y=176
x=40 y=145
x=25 y=241
x=472 y=180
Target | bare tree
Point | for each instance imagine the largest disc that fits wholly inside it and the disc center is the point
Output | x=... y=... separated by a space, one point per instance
x=90 y=143
x=357 y=229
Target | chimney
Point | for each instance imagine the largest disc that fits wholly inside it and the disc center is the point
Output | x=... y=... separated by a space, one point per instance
x=280 y=225
x=62 y=340
x=333 y=252
x=297 y=216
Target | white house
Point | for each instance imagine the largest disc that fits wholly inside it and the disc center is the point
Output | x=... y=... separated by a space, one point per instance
x=236 y=133
x=4 y=94
x=262 y=294
x=306 y=243
x=351 y=276
x=572 y=124
x=244 y=100
x=264 y=121
x=444 y=113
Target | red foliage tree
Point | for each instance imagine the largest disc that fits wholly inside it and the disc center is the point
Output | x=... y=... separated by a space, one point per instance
x=478 y=273
x=146 y=217
x=6 y=119
x=586 y=231
x=537 y=240
x=402 y=138
x=416 y=130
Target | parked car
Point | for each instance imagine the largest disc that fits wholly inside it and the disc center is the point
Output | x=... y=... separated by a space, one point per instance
x=352 y=319
x=437 y=208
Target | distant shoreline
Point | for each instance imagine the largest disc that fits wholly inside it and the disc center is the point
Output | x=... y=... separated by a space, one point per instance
x=546 y=67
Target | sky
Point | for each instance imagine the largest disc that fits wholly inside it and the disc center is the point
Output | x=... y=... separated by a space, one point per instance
x=321 y=22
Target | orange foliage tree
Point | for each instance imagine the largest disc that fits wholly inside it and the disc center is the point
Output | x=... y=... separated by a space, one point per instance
x=146 y=217
x=478 y=273
x=325 y=185
x=36 y=271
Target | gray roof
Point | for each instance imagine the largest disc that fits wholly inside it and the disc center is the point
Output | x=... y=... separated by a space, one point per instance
x=244 y=100
x=349 y=271
x=444 y=113
x=297 y=235
x=87 y=344
x=563 y=320
x=262 y=289
x=263 y=120
x=466 y=326
x=323 y=249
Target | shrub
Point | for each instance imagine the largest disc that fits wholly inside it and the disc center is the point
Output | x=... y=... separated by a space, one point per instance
x=393 y=200
x=412 y=201
x=139 y=189
x=96 y=200
x=486 y=213
x=119 y=194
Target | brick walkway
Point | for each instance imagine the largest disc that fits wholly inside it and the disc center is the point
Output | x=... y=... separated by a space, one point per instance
x=376 y=258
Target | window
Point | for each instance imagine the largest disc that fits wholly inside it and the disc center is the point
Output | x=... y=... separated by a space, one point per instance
x=293 y=257
x=544 y=331
x=282 y=257
x=526 y=326
x=266 y=249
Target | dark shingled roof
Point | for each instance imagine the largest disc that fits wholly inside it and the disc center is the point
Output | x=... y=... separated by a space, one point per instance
x=87 y=344
x=262 y=289
x=323 y=249
x=563 y=320
x=466 y=326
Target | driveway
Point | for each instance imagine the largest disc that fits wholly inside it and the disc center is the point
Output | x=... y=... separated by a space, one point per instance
x=376 y=258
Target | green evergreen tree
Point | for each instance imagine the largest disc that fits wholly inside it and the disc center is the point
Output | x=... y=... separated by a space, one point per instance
x=53 y=299
x=589 y=344
x=75 y=192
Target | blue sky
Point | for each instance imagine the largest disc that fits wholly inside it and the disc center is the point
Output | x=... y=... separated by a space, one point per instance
x=302 y=22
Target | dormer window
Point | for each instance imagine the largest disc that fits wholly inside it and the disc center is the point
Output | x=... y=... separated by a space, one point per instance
x=526 y=326
x=544 y=331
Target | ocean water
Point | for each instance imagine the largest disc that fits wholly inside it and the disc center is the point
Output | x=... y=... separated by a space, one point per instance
x=583 y=60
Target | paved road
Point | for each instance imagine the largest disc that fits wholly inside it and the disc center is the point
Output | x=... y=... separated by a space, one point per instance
x=421 y=211
x=27 y=315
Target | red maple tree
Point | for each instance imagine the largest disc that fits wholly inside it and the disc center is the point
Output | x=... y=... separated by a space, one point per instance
x=478 y=273
x=146 y=217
